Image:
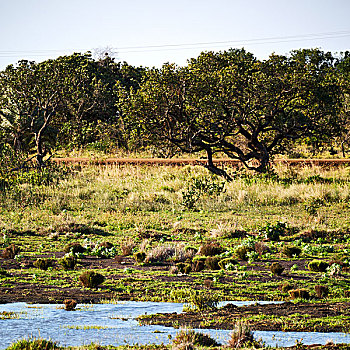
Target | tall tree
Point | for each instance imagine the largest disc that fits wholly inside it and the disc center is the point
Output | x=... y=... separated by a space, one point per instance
x=232 y=103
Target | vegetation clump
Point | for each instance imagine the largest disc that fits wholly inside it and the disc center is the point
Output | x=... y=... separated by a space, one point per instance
x=43 y=264
x=241 y=336
x=188 y=339
x=74 y=248
x=242 y=252
x=318 y=266
x=212 y=262
x=10 y=252
x=210 y=249
x=299 y=293
x=321 y=291
x=91 y=279
x=291 y=251
x=226 y=264
x=68 y=262
x=69 y=304
x=34 y=344
x=276 y=268
x=140 y=257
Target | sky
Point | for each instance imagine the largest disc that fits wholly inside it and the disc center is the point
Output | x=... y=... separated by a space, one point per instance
x=151 y=32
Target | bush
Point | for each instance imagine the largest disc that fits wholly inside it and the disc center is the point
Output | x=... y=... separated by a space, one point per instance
x=318 y=266
x=241 y=336
x=203 y=301
x=91 y=279
x=227 y=262
x=210 y=249
x=273 y=232
x=68 y=262
x=291 y=251
x=43 y=264
x=69 y=304
x=286 y=287
x=198 y=265
x=276 y=268
x=241 y=253
x=74 y=248
x=321 y=291
x=299 y=293
x=187 y=338
x=34 y=344
x=184 y=268
x=212 y=263
x=10 y=252
x=140 y=257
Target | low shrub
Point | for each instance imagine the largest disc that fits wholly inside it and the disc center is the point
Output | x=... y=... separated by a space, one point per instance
x=286 y=287
x=91 y=279
x=74 y=248
x=68 y=262
x=299 y=293
x=159 y=254
x=69 y=304
x=273 y=232
x=212 y=263
x=291 y=251
x=203 y=301
x=198 y=265
x=210 y=249
x=10 y=252
x=224 y=263
x=188 y=338
x=241 y=336
x=321 y=291
x=318 y=266
x=276 y=268
x=43 y=264
x=34 y=344
x=140 y=257
x=241 y=252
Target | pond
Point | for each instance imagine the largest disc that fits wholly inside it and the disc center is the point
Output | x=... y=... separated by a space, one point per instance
x=115 y=324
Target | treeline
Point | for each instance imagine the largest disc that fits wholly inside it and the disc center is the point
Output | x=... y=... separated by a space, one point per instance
x=221 y=102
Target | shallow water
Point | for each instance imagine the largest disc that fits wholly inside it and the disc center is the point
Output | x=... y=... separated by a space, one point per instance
x=115 y=324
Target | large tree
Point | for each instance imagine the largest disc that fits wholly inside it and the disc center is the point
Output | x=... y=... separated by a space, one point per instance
x=230 y=102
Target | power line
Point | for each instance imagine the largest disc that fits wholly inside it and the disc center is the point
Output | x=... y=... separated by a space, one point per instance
x=186 y=46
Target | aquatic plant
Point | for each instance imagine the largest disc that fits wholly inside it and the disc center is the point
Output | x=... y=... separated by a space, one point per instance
x=34 y=344
x=241 y=336
x=187 y=339
x=91 y=279
x=276 y=268
x=69 y=304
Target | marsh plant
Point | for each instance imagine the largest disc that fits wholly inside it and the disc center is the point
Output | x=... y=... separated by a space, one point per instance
x=91 y=279
x=34 y=344
x=187 y=339
x=241 y=336
x=202 y=301
x=70 y=304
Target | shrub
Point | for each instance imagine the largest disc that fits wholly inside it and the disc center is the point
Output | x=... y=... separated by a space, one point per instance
x=69 y=304
x=140 y=257
x=299 y=293
x=321 y=291
x=187 y=338
x=127 y=247
x=43 y=264
x=91 y=279
x=210 y=249
x=68 y=262
x=212 y=263
x=273 y=232
x=286 y=287
x=10 y=252
x=241 y=252
x=203 y=301
x=34 y=344
x=276 y=268
x=198 y=265
x=318 y=266
x=241 y=336
x=291 y=251
x=160 y=254
x=74 y=248
x=227 y=262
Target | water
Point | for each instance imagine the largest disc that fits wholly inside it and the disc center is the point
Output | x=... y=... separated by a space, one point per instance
x=114 y=324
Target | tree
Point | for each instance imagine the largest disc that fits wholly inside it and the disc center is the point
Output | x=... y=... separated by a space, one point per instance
x=229 y=102
x=29 y=102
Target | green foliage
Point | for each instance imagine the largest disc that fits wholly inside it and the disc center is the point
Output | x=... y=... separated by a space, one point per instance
x=202 y=301
x=241 y=252
x=291 y=251
x=68 y=262
x=43 y=264
x=318 y=266
x=273 y=231
x=227 y=264
x=187 y=338
x=91 y=279
x=34 y=344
